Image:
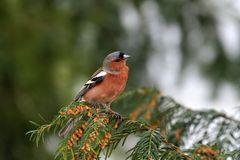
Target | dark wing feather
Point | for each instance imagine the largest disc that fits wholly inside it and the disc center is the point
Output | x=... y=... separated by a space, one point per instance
x=95 y=79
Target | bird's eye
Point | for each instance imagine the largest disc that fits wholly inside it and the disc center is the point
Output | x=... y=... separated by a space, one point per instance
x=121 y=55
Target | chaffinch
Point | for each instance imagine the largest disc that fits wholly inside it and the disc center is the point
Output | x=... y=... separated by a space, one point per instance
x=104 y=86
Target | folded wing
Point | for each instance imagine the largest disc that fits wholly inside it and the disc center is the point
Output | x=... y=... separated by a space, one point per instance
x=96 y=79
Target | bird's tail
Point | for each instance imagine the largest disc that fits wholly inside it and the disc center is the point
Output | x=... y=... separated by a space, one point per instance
x=66 y=129
x=70 y=123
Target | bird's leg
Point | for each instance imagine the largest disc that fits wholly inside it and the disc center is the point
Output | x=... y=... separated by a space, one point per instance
x=95 y=105
x=113 y=113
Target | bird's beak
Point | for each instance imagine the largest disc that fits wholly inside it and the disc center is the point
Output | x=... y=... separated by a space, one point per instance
x=125 y=56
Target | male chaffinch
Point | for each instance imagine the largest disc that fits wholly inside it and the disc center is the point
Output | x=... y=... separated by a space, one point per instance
x=104 y=86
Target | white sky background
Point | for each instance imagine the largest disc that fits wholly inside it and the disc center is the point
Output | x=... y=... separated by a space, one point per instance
x=163 y=67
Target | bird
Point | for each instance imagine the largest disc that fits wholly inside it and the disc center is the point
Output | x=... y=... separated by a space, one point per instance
x=103 y=87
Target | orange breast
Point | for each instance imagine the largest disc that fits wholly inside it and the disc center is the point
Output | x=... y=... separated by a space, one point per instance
x=108 y=90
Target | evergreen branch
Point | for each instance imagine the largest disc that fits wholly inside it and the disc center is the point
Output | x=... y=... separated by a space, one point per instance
x=158 y=119
x=180 y=122
x=151 y=145
x=126 y=128
x=39 y=133
x=176 y=149
x=226 y=117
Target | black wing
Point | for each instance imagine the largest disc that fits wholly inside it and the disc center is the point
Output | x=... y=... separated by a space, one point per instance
x=96 y=78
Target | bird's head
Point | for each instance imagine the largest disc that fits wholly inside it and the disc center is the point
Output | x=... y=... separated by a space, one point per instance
x=116 y=57
x=115 y=60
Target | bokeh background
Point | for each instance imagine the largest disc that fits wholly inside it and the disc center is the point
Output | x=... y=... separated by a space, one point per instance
x=188 y=49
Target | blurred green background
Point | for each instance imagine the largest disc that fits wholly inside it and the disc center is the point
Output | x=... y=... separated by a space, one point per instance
x=188 y=49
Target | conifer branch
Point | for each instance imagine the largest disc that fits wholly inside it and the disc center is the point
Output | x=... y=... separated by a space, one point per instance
x=159 y=120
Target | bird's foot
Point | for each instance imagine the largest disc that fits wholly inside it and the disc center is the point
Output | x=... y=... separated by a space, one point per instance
x=95 y=106
x=115 y=114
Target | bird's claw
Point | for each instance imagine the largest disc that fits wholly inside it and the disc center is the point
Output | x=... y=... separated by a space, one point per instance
x=95 y=106
x=115 y=114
